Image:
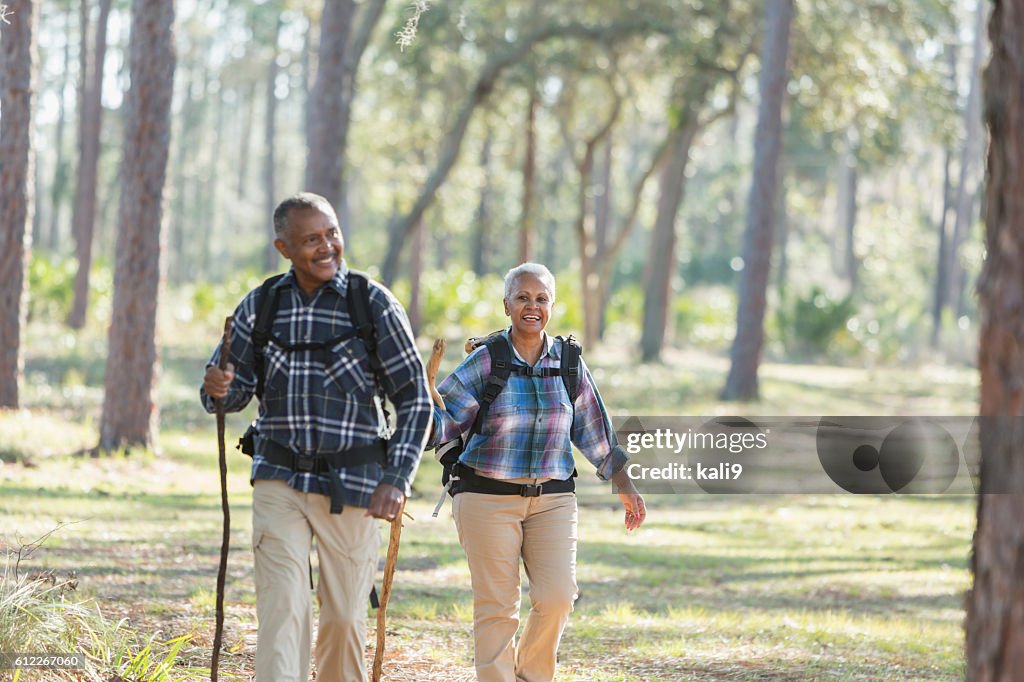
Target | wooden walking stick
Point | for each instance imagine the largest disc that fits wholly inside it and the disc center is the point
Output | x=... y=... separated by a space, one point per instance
x=225 y=351
x=396 y=529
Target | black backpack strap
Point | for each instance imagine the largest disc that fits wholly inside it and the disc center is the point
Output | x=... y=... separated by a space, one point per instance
x=501 y=367
x=266 y=310
x=569 y=368
x=361 y=312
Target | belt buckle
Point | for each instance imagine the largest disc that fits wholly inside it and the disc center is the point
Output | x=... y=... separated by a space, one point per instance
x=530 y=490
x=304 y=463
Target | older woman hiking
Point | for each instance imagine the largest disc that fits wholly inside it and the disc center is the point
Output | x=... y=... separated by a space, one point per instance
x=513 y=484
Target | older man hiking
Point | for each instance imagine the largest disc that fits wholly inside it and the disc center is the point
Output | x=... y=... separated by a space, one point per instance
x=321 y=346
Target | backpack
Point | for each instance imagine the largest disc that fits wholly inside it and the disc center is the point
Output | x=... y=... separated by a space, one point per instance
x=500 y=350
x=266 y=304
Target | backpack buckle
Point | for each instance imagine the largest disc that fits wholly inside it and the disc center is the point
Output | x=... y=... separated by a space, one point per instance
x=304 y=464
x=529 y=490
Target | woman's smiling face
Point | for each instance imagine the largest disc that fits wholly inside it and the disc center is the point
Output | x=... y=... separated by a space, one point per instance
x=529 y=305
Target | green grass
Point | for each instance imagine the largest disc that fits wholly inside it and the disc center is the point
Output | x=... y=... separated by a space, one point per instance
x=736 y=587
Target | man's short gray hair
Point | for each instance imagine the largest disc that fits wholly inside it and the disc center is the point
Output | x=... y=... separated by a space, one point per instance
x=300 y=201
x=535 y=269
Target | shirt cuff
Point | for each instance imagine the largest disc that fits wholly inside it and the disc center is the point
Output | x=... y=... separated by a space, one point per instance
x=612 y=463
x=398 y=480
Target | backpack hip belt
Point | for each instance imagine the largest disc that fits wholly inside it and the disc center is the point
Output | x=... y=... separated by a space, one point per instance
x=466 y=480
x=328 y=463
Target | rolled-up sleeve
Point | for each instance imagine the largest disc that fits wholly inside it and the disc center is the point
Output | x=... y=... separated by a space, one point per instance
x=243 y=387
x=592 y=430
x=461 y=393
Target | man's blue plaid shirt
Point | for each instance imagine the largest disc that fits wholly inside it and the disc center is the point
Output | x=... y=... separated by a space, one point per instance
x=314 y=408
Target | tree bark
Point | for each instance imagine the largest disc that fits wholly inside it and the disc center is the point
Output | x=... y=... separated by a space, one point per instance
x=995 y=617
x=84 y=213
x=18 y=62
x=742 y=383
x=130 y=411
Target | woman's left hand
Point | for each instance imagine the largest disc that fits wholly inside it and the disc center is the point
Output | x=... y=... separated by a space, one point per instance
x=632 y=501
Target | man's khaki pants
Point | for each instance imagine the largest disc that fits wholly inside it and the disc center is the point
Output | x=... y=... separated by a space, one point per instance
x=496 y=531
x=284 y=524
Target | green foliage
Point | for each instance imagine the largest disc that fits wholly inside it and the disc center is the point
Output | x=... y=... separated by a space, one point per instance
x=51 y=283
x=810 y=324
x=705 y=317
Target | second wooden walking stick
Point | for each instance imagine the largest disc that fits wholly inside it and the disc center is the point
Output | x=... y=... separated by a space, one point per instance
x=225 y=351
x=396 y=529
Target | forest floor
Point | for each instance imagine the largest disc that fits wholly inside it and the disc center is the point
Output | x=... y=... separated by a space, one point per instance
x=713 y=587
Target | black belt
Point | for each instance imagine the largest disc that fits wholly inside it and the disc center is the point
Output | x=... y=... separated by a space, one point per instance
x=327 y=463
x=468 y=481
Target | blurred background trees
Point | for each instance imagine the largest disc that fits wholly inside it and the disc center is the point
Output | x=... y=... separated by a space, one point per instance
x=613 y=141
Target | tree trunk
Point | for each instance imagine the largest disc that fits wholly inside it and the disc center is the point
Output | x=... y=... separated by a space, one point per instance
x=61 y=172
x=130 y=411
x=941 y=291
x=526 y=227
x=481 y=241
x=995 y=619
x=742 y=383
x=270 y=255
x=661 y=261
x=18 y=62
x=245 y=136
x=416 y=279
x=84 y=214
x=970 y=156
x=602 y=227
x=847 y=200
x=330 y=111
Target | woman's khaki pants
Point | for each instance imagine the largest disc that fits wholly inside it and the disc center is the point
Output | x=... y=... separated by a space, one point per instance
x=496 y=531
x=284 y=524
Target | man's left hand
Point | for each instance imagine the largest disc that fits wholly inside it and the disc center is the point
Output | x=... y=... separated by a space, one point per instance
x=385 y=502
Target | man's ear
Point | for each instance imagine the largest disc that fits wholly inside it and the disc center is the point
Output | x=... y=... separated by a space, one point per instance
x=282 y=248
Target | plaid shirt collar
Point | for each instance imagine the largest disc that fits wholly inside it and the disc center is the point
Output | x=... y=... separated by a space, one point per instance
x=551 y=349
x=339 y=282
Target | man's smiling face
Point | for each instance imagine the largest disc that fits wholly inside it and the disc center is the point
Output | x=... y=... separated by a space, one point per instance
x=313 y=243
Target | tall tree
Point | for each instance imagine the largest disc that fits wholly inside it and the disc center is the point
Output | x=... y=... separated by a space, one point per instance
x=341 y=48
x=758 y=237
x=970 y=157
x=480 y=249
x=270 y=255
x=61 y=172
x=690 y=94
x=130 y=413
x=995 y=619
x=18 y=62
x=526 y=225
x=83 y=218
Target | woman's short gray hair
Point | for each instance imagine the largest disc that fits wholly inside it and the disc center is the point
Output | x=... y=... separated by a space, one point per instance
x=535 y=269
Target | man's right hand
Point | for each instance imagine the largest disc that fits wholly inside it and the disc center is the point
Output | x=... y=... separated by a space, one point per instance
x=216 y=382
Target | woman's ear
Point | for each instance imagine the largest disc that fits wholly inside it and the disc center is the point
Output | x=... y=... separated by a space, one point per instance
x=508 y=313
